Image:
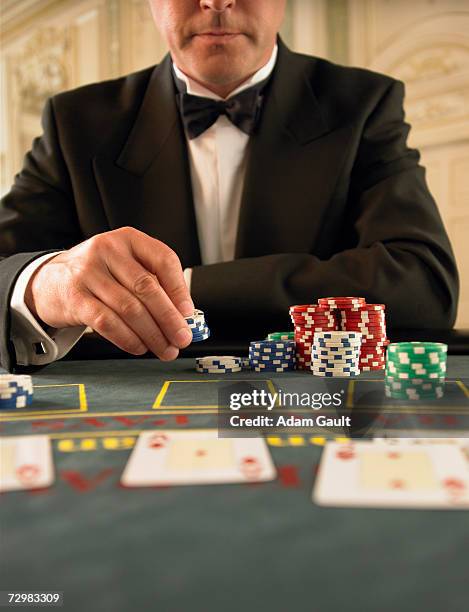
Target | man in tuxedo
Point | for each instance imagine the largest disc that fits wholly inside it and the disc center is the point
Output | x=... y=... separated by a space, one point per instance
x=235 y=175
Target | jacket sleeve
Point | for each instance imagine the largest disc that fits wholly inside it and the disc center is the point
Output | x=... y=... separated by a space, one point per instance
x=399 y=253
x=36 y=217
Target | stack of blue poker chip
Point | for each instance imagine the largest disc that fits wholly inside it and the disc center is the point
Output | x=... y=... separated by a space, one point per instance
x=198 y=326
x=272 y=355
x=218 y=364
x=16 y=391
x=336 y=353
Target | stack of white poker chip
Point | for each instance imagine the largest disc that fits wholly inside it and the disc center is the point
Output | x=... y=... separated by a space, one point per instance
x=16 y=391
x=215 y=364
x=336 y=353
x=198 y=326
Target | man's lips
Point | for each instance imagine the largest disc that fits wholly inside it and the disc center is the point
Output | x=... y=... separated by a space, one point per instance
x=218 y=35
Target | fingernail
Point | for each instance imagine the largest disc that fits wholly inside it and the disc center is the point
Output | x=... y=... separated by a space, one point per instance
x=186 y=308
x=170 y=353
x=184 y=337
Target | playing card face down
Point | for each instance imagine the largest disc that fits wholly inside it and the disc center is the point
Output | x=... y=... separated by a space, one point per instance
x=25 y=463
x=399 y=475
x=162 y=458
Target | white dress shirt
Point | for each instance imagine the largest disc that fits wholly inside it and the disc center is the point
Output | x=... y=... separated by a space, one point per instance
x=217 y=160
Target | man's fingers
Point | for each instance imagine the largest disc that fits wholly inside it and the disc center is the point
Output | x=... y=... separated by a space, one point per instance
x=134 y=314
x=145 y=286
x=162 y=261
x=108 y=324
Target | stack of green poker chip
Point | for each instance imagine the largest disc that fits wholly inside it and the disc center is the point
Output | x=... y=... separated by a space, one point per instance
x=415 y=370
x=276 y=336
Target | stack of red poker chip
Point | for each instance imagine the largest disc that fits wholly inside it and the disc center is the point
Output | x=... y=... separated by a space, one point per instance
x=308 y=319
x=370 y=320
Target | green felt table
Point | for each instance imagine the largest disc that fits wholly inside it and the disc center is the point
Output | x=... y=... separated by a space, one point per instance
x=226 y=547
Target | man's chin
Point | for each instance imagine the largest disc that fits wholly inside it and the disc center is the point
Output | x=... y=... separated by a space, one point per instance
x=219 y=71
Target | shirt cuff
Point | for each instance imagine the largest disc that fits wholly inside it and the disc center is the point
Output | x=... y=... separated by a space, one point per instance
x=33 y=345
x=188 y=277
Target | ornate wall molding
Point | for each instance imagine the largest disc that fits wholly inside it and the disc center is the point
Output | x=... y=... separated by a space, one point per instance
x=440 y=59
x=426 y=45
x=42 y=68
x=432 y=111
x=16 y=16
x=432 y=58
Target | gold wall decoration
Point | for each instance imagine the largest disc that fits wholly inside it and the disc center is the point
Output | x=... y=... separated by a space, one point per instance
x=450 y=106
x=430 y=62
x=41 y=68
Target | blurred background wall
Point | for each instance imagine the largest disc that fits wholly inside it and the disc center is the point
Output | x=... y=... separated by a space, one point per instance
x=51 y=45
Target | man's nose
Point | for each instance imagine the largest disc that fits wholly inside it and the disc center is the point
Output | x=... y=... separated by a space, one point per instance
x=217 y=5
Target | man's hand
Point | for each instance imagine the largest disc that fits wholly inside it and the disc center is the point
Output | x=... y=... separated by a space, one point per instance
x=125 y=285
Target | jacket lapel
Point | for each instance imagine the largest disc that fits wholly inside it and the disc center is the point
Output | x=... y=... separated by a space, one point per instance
x=148 y=185
x=290 y=172
x=292 y=168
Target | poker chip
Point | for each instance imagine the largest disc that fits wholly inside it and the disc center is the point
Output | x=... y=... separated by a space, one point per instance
x=275 y=366
x=338 y=343
x=281 y=336
x=216 y=360
x=272 y=355
x=415 y=370
x=271 y=352
x=198 y=326
x=272 y=369
x=339 y=336
x=199 y=336
x=245 y=363
x=309 y=308
x=196 y=318
x=271 y=344
x=336 y=362
x=218 y=364
x=336 y=370
x=363 y=320
x=369 y=319
x=423 y=349
x=311 y=321
x=307 y=319
x=272 y=365
x=341 y=302
x=331 y=374
x=336 y=353
x=16 y=391
x=361 y=308
x=333 y=351
x=373 y=364
x=375 y=352
x=219 y=370
x=416 y=367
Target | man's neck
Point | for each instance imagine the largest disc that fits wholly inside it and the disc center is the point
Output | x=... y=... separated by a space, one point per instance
x=222 y=90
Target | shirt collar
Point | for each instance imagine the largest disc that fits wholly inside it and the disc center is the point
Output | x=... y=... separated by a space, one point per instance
x=196 y=89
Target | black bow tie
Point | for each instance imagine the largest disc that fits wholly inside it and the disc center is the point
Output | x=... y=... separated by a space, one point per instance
x=199 y=113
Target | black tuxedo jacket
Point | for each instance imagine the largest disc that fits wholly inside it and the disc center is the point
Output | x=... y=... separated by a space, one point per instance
x=334 y=201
